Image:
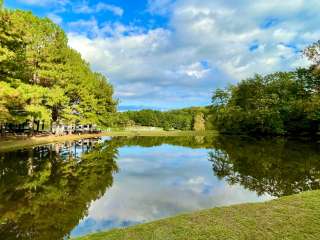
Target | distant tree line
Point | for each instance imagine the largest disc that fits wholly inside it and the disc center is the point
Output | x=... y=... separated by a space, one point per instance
x=195 y=118
x=282 y=103
x=42 y=80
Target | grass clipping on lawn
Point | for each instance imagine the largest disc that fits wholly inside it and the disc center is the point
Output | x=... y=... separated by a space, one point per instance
x=292 y=217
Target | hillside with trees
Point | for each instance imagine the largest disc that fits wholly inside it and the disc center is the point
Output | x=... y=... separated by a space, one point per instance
x=283 y=103
x=43 y=81
x=194 y=118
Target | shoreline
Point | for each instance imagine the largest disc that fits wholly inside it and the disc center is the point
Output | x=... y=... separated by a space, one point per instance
x=13 y=143
x=292 y=217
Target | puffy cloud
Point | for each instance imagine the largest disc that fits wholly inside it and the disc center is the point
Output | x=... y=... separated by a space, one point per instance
x=234 y=38
x=227 y=37
x=146 y=65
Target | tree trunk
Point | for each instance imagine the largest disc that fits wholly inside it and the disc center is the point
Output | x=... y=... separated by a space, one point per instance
x=38 y=126
x=2 y=130
x=31 y=126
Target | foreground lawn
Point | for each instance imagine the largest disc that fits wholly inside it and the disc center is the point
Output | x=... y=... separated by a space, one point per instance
x=293 y=217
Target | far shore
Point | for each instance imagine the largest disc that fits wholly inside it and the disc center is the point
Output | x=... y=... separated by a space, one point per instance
x=16 y=142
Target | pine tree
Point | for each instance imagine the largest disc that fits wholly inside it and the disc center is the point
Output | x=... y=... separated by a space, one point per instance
x=50 y=80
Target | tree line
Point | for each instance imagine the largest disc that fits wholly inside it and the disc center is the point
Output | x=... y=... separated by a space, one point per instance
x=43 y=80
x=282 y=103
x=195 y=118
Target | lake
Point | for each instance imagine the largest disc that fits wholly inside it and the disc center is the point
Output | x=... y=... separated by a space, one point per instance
x=57 y=191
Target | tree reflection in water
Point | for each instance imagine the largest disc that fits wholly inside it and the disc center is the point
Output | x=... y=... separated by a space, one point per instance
x=45 y=191
x=276 y=167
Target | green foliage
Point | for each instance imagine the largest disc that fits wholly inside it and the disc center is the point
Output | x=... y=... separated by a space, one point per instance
x=50 y=81
x=12 y=49
x=276 y=104
x=182 y=119
x=10 y=103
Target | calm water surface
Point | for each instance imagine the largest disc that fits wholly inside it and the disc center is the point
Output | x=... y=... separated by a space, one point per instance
x=72 y=189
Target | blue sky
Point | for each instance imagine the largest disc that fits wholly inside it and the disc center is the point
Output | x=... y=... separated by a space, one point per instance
x=164 y=54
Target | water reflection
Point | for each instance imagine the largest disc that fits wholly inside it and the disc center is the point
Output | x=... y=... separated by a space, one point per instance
x=52 y=191
x=44 y=191
x=276 y=167
x=158 y=182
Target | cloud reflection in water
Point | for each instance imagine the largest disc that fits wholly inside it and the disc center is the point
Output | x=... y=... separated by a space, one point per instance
x=158 y=182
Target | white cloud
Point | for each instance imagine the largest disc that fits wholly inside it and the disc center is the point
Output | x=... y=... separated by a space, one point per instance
x=108 y=7
x=227 y=37
x=196 y=180
x=144 y=64
x=55 y=18
x=160 y=7
x=237 y=38
x=99 y=7
x=43 y=3
x=283 y=35
x=87 y=24
x=195 y=70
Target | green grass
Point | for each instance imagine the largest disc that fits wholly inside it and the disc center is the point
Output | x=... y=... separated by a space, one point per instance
x=13 y=143
x=294 y=217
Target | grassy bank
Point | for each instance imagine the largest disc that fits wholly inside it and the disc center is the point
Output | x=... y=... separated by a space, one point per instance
x=19 y=142
x=293 y=217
